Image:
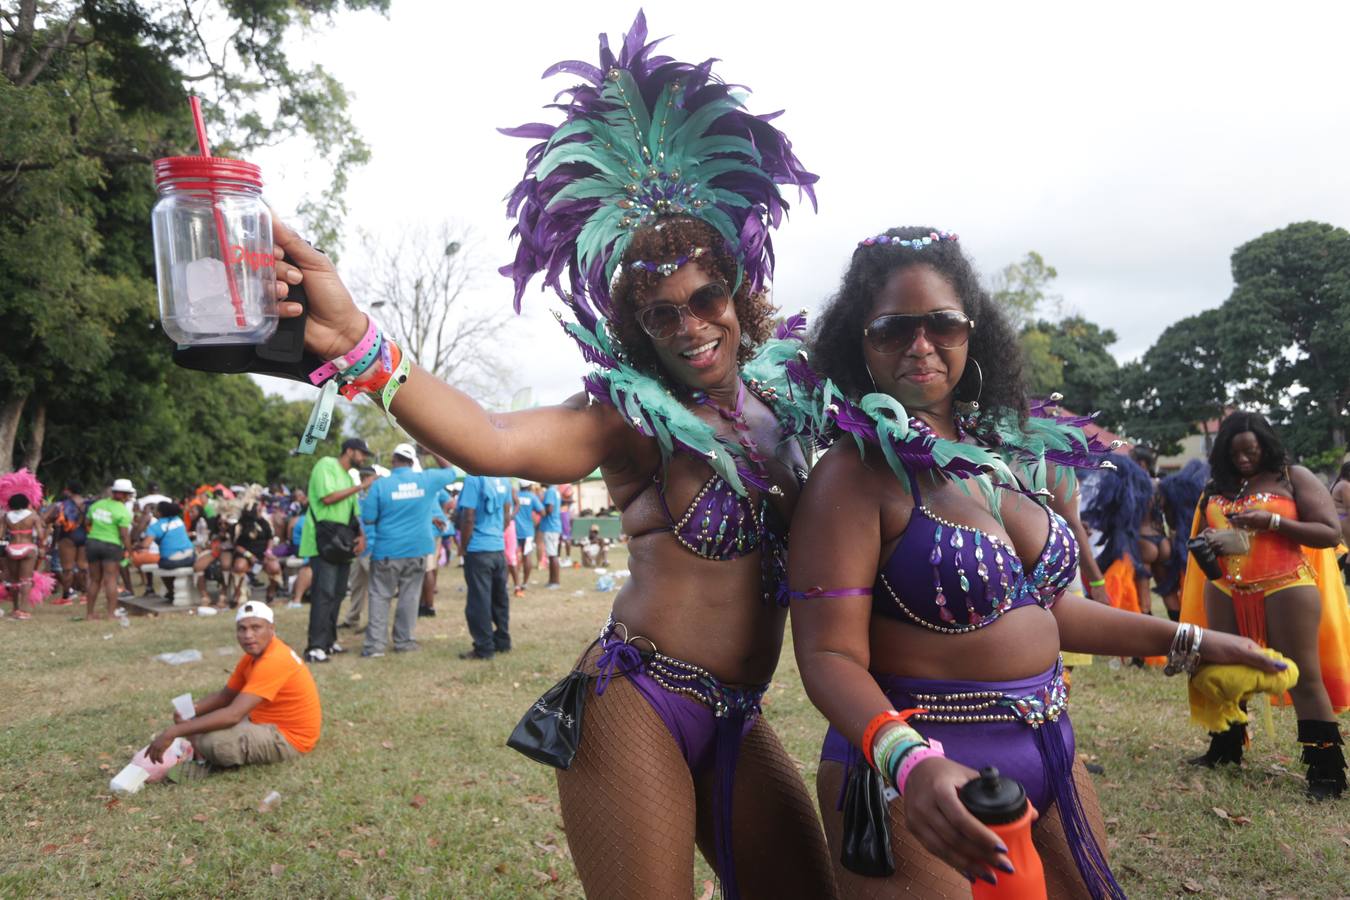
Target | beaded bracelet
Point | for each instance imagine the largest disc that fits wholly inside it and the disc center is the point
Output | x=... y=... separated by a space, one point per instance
x=911 y=760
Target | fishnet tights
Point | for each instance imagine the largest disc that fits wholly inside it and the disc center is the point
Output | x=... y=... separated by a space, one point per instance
x=633 y=813
x=919 y=873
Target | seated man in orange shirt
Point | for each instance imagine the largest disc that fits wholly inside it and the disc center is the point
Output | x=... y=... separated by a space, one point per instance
x=268 y=711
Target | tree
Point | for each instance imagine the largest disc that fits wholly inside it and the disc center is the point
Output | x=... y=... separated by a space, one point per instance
x=1178 y=384
x=419 y=286
x=91 y=92
x=1022 y=290
x=1290 y=316
x=1071 y=356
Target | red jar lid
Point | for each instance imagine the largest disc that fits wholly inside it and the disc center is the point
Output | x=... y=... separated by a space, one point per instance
x=206 y=170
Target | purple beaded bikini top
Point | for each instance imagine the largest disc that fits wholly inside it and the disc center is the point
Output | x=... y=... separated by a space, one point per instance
x=955 y=578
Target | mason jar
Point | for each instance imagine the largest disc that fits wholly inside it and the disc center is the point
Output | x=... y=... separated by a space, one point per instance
x=213 y=252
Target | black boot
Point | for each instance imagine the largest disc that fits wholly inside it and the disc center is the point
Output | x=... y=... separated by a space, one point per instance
x=1326 y=762
x=1224 y=747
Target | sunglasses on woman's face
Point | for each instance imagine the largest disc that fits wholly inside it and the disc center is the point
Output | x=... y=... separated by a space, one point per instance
x=946 y=328
x=664 y=320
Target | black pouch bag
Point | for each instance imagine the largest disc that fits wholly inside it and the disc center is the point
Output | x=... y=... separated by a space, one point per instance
x=867 y=833
x=335 y=541
x=550 y=730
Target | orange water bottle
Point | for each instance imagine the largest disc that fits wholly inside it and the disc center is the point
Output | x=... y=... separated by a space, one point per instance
x=1002 y=805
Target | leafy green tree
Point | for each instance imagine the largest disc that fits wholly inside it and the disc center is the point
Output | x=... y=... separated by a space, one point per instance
x=1071 y=356
x=1290 y=318
x=1179 y=383
x=90 y=93
x=1022 y=290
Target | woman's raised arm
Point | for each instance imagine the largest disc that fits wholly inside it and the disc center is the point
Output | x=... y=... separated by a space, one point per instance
x=553 y=444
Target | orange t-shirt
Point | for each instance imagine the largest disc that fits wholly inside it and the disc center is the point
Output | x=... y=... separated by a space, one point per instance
x=290 y=697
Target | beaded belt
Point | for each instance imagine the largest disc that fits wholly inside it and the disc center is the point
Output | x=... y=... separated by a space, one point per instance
x=1045 y=705
x=674 y=675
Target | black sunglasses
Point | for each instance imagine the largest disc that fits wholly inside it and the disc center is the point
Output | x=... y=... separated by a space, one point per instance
x=664 y=320
x=946 y=328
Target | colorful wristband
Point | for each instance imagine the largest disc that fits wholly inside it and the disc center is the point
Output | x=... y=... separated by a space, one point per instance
x=1100 y=582
x=911 y=760
x=870 y=732
x=877 y=723
x=352 y=356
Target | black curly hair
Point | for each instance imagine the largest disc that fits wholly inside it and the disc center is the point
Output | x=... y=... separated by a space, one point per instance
x=1224 y=477
x=836 y=341
x=669 y=239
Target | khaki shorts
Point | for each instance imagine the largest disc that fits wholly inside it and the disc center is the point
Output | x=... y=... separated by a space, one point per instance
x=246 y=744
x=550 y=541
x=429 y=561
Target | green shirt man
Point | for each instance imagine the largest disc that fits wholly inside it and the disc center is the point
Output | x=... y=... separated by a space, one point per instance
x=332 y=494
x=107 y=518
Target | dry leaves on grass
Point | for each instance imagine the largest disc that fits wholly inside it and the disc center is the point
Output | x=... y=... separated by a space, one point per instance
x=388 y=745
x=418 y=801
x=1191 y=887
x=1236 y=820
x=500 y=868
x=200 y=817
x=278 y=870
x=707 y=891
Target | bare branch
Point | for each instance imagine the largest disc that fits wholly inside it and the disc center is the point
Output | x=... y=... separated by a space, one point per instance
x=67 y=32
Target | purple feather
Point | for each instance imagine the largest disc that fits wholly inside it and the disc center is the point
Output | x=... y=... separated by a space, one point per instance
x=548 y=237
x=793 y=327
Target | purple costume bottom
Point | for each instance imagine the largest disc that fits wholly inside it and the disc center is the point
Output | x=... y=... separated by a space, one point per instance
x=707 y=719
x=1021 y=727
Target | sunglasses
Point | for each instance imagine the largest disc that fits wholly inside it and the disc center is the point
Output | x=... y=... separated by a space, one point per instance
x=665 y=320
x=946 y=328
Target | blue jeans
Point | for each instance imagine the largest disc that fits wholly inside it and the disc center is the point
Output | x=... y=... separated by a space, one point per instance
x=486 y=607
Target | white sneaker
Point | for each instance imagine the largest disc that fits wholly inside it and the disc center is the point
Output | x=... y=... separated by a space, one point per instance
x=315 y=656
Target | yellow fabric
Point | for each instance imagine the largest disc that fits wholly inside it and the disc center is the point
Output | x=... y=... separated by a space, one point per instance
x=1333 y=635
x=1076 y=659
x=1217 y=690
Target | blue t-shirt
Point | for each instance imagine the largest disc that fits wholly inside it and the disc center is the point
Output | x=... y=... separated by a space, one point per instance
x=398 y=510
x=170 y=535
x=487 y=496
x=552 y=520
x=298 y=532
x=529 y=504
x=438 y=512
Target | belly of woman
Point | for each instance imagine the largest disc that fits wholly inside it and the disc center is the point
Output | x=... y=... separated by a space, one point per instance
x=707 y=612
x=1021 y=643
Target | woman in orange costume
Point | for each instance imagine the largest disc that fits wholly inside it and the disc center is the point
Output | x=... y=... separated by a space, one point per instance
x=1278 y=586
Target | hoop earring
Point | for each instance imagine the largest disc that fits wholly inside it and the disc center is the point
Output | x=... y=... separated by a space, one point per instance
x=979 y=391
x=872 y=378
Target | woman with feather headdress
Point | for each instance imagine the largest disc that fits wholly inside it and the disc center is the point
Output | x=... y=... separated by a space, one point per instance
x=22 y=535
x=929 y=617
x=648 y=210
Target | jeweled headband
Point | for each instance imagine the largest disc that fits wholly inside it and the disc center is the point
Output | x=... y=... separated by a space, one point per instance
x=913 y=243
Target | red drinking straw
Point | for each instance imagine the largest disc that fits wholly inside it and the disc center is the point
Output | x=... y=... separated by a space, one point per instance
x=197 y=121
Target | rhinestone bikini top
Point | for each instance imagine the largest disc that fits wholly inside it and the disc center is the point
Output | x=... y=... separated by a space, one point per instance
x=954 y=578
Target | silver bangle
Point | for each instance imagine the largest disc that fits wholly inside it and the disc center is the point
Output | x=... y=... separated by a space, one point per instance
x=1275 y=520
x=1184 y=654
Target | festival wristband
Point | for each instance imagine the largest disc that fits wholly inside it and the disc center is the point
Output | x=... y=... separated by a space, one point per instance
x=888 y=759
x=362 y=365
x=391 y=388
x=911 y=760
x=1100 y=582
x=352 y=356
x=889 y=739
x=880 y=720
x=320 y=417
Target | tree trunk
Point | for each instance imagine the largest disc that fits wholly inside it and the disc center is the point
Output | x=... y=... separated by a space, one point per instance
x=37 y=431
x=10 y=411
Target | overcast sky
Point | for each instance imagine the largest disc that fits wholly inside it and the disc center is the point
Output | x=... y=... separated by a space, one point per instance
x=1133 y=146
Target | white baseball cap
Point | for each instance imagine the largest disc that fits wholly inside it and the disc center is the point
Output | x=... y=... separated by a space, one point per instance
x=123 y=486
x=254 y=610
x=406 y=451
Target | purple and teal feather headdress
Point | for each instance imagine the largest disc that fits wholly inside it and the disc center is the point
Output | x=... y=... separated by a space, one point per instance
x=644 y=136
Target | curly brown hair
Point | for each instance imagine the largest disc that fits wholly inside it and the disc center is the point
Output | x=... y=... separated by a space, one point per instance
x=669 y=239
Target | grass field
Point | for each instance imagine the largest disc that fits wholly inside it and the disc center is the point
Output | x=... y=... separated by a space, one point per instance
x=411 y=792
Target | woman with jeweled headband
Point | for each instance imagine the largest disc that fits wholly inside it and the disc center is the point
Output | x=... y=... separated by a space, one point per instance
x=1272 y=527
x=648 y=210
x=929 y=615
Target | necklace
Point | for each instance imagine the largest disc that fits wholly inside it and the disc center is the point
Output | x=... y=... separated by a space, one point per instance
x=736 y=416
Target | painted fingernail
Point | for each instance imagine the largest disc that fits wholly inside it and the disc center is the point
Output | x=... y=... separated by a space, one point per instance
x=969 y=877
x=1281 y=666
x=1001 y=849
x=989 y=878
x=1005 y=867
